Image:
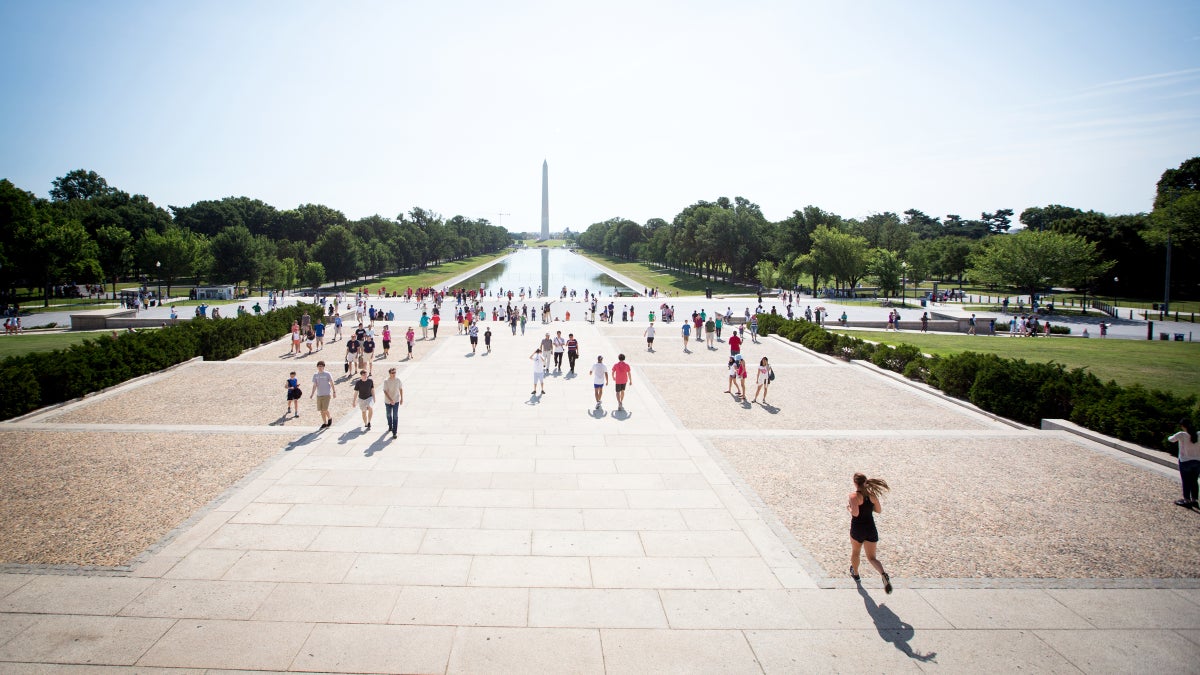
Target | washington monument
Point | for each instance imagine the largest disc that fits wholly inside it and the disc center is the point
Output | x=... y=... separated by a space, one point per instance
x=545 y=200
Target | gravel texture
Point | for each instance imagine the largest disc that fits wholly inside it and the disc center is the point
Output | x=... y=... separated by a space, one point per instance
x=1032 y=507
x=70 y=498
x=226 y=393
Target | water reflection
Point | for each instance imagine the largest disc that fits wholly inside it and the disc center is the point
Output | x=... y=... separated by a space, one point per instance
x=547 y=268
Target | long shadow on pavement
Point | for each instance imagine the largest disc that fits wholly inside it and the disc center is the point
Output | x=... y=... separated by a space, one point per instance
x=892 y=628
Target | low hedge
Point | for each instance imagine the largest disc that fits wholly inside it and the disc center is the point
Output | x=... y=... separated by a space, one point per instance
x=1012 y=388
x=32 y=381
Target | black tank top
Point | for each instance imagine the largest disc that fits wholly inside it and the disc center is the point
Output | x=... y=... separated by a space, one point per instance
x=866 y=515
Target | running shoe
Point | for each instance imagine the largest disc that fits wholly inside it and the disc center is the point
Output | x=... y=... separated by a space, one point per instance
x=887 y=584
x=853 y=575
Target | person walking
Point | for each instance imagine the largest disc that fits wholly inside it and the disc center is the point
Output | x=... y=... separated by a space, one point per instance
x=733 y=387
x=352 y=348
x=487 y=339
x=754 y=329
x=539 y=370
x=1189 y=462
x=649 y=335
x=473 y=333
x=710 y=331
x=368 y=353
x=621 y=378
x=547 y=348
x=365 y=388
x=762 y=380
x=410 y=336
x=393 y=398
x=437 y=321
x=735 y=343
x=687 y=331
x=741 y=375
x=560 y=346
x=293 y=394
x=599 y=374
x=424 y=323
x=387 y=341
x=864 y=502
x=324 y=390
x=572 y=350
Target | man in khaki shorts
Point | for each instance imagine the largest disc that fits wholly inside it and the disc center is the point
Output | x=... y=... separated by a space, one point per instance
x=323 y=389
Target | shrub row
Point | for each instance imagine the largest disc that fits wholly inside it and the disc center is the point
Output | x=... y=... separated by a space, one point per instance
x=1012 y=388
x=31 y=381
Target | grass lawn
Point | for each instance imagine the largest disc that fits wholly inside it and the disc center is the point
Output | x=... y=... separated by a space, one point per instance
x=1170 y=366
x=430 y=277
x=16 y=345
x=549 y=243
x=666 y=280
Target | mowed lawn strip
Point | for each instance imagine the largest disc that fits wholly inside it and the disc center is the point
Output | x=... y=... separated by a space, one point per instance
x=431 y=277
x=26 y=343
x=1170 y=366
x=666 y=280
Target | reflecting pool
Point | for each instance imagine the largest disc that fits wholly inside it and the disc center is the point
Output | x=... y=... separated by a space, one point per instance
x=549 y=269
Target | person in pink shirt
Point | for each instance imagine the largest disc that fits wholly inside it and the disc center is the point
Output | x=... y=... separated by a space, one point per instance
x=621 y=379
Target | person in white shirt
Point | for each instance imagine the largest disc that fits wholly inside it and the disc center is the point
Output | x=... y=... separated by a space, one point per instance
x=599 y=373
x=1189 y=462
x=539 y=370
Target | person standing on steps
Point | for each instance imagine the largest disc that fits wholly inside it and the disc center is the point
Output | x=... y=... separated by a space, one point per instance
x=547 y=348
x=864 y=503
x=649 y=334
x=324 y=390
x=762 y=380
x=560 y=346
x=410 y=336
x=1189 y=462
x=365 y=388
x=539 y=371
x=621 y=378
x=393 y=398
x=572 y=350
x=599 y=374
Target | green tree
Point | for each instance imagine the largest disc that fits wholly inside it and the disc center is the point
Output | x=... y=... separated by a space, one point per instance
x=172 y=254
x=115 y=246
x=313 y=275
x=59 y=251
x=842 y=255
x=340 y=252
x=79 y=184
x=237 y=256
x=1031 y=262
x=887 y=270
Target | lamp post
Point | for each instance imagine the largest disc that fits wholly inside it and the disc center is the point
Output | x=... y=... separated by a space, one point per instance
x=158 y=270
x=903 y=282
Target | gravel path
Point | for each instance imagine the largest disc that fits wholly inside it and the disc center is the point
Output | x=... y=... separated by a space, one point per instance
x=103 y=498
x=991 y=507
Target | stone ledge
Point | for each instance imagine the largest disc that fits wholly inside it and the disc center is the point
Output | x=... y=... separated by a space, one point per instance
x=1156 y=456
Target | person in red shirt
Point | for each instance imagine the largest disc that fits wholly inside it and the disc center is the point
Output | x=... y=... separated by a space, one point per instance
x=437 y=320
x=621 y=378
x=735 y=344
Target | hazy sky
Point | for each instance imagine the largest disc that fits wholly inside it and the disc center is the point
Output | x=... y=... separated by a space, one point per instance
x=640 y=107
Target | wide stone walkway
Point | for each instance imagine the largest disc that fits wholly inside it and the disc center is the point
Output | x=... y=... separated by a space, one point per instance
x=507 y=532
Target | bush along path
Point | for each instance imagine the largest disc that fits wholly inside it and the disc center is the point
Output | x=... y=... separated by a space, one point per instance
x=1012 y=388
x=32 y=381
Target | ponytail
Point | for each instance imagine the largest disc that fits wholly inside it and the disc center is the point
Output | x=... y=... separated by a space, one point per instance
x=1189 y=428
x=870 y=487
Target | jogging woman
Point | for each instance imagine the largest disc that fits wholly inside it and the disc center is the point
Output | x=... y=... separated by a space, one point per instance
x=863 y=504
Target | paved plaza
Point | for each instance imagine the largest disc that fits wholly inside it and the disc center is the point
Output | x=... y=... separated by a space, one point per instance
x=510 y=532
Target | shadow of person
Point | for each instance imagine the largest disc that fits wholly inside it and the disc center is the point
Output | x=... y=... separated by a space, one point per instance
x=377 y=446
x=534 y=399
x=279 y=422
x=598 y=413
x=621 y=415
x=302 y=441
x=892 y=628
x=770 y=408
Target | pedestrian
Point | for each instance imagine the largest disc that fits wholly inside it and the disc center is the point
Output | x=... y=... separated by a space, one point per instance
x=310 y=338
x=864 y=503
x=621 y=378
x=687 y=331
x=539 y=371
x=741 y=374
x=424 y=325
x=337 y=327
x=437 y=320
x=410 y=336
x=763 y=380
x=387 y=340
x=365 y=388
x=733 y=387
x=324 y=390
x=572 y=350
x=522 y=324
x=368 y=353
x=293 y=394
x=296 y=337
x=1189 y=462
x=487 y=339
x=319 y=330
x=599 y=374
x=710 y=330
x=560 y=346
x=754 y=328
x=720 y=321
x=393 y=398
x=971 y=325
x=473 y=333
x=352 y=348
x=547 y=349
x=735 y=343
x=649 y=335
x=925 y=322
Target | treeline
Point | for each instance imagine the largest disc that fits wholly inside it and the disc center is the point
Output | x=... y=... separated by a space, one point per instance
x=91 y=232
x=1057 y=245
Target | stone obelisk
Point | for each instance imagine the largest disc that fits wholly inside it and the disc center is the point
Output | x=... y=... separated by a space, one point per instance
x=545 y=200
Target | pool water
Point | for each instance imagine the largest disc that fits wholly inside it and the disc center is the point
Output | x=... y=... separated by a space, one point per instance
x=549 y=269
